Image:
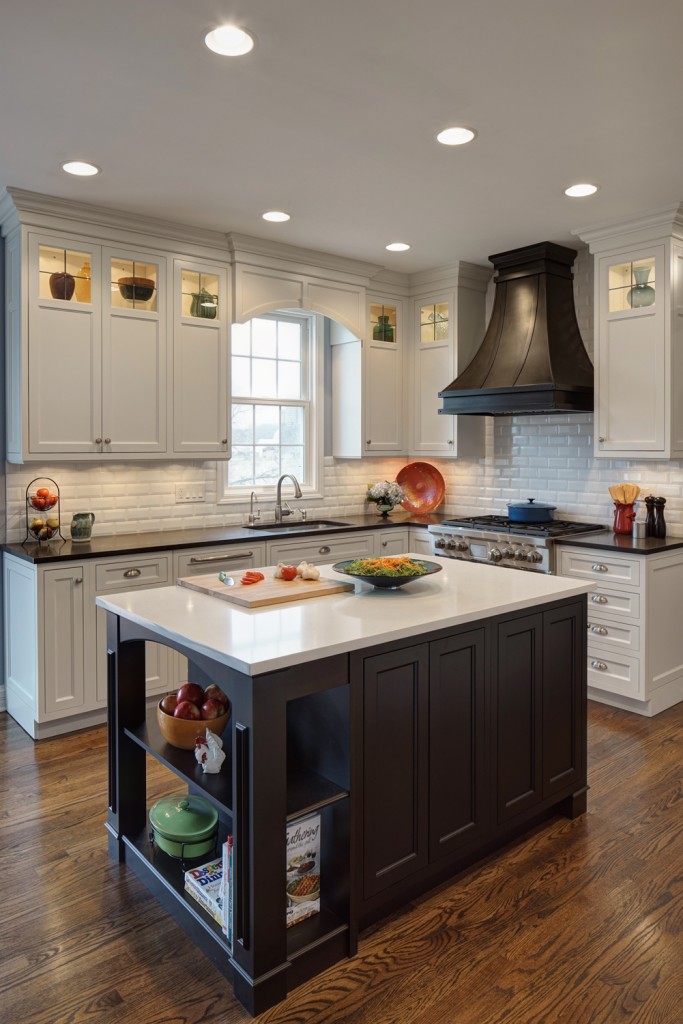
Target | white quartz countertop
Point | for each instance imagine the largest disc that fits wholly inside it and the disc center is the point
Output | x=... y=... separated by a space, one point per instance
x=257 y=640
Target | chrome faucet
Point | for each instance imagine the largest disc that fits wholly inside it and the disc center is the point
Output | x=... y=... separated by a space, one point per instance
x=286 y=511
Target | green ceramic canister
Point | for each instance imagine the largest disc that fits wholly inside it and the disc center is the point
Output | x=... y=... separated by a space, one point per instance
x=184 y=826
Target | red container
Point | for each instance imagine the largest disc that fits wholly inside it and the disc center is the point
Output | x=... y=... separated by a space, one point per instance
x=624 y=514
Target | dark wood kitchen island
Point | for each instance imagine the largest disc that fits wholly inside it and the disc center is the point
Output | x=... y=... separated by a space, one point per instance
x=426 y=725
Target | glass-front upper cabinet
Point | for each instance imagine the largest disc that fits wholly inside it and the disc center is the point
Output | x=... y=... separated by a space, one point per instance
x=134 y=284
x=64 y=274
x=631 y=284
x=383 y=322
x=200 y=294
x=434 y=322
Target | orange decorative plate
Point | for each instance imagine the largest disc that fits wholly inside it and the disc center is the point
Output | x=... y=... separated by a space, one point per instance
x=423 y=487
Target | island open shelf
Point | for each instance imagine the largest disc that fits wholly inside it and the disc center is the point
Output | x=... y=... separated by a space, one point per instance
x=424 y=732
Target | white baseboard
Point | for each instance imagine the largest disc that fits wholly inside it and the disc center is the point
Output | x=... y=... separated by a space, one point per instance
x=3 y=698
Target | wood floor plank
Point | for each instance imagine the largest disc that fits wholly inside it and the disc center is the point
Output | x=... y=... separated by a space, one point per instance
x=580 y=922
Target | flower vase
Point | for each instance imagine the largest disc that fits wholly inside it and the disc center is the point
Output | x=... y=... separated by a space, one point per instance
x=643 y=294
x=62 y=285
x=384 y=508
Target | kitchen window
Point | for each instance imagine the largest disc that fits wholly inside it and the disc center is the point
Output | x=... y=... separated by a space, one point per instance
x=274 y=411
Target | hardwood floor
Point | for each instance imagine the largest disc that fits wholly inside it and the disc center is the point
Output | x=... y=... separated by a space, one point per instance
x=581 y=922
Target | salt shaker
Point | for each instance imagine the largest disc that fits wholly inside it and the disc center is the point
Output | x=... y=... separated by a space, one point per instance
x=649 y=516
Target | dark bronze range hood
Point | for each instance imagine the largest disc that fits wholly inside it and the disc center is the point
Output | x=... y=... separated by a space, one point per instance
x=532 y=358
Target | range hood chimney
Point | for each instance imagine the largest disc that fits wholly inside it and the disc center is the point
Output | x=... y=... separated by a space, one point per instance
x=532 y=358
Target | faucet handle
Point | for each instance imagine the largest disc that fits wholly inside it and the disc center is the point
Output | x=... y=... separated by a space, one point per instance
x=286 y=509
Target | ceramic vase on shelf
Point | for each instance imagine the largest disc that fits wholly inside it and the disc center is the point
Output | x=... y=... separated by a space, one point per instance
x=62 y=285
x=383 y=330
x=642 y=294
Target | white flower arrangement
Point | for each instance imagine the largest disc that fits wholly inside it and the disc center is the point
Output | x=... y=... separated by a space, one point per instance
x=385 y=493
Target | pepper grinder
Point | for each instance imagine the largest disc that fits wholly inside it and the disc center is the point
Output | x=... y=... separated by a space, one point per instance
x=659 y=521
x=649 y=516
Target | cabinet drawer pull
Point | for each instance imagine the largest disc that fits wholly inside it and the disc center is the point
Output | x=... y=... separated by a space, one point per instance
x=600 y=665
x=130 y=573
x=324 y=550
x=599 y=599
x=599 y=567
x=600 y=630
x=219 y=558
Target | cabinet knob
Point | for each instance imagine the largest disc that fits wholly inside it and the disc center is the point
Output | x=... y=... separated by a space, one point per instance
x=451 y=441
x=599 y=567
x=601 y=440
x=599 y=599
x=600 y=665
x=384 y=543
x=107 y=440
x=79 y=579
x=98 y=440
x=224 y=440
x=600 y=630
x=324 y=550
x=369 y=442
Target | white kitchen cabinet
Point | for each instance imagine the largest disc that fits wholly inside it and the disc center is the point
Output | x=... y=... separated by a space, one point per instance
x=420 y=542
x=332 y=547
x=368 y=416
x=639 y=336
x=392 y=542
x=55 y=638
x=96 y=361
x=448 y=327
x=200 y=360
x=635 y=644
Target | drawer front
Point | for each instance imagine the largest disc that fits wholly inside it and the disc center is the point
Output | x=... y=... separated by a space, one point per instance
x=623 y=603
x=600 y=566
x=137 y=571
x=227 y=558
x=321 y=550
x=614 y=672
x=619 y=635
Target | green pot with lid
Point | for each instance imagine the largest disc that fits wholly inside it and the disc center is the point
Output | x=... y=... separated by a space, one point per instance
x=184 y=826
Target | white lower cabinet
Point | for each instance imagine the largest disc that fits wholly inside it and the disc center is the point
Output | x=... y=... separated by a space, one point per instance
x=635 y=643
x=55 y=638
x=392 y=542
x=320 y=550
x=420 y=542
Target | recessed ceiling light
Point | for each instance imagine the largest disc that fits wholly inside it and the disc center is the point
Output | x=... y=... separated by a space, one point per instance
x=229 y=41
x=456 y=136
x=584 y=189
x=80 y=167
x=397 y=246
x=275 y=215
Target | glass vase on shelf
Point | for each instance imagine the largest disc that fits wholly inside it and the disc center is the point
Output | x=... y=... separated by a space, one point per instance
x=642 y=293
x=383 y=330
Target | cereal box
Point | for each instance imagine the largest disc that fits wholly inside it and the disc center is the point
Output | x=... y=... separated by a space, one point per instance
x=303 y=869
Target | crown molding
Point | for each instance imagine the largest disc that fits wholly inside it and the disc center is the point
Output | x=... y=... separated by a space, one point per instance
x=251 y=249
x=666 y=221
x=460 y=274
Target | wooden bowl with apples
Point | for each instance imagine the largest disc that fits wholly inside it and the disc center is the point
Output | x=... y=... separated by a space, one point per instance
x=190 y=711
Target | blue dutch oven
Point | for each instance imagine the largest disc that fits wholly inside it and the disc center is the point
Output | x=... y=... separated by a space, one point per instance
x=530 y=511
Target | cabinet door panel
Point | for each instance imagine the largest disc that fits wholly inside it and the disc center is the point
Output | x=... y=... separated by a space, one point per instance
x=395 y=783
x=518 y=656
x=458 y=808
x=564 y=654
x=384 y=413
x=134 y=385
x=200 y=414
x=63 y=640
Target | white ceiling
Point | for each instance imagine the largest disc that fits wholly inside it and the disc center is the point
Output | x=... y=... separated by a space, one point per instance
x=332 y=117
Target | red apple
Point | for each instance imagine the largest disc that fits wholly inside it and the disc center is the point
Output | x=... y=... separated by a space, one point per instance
x=186 y=709
x=192 y=692
x=213 y=692
x=169 y=703
x=212 y=709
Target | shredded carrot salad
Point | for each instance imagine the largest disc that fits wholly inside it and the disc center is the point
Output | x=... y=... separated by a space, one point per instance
x=399 y=565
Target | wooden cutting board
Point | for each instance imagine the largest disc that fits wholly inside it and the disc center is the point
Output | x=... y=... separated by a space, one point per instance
x=268 y=591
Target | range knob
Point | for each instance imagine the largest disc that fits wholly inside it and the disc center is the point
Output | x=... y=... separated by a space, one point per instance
x=439 y=542
x=520 y=554
x=450 y=544
x=507 y=552
x=534 y=556
x=462 y=545
x=495 y=555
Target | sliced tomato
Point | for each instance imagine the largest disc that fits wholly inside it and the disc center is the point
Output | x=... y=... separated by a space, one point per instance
x=256 y=576
x=246 y=581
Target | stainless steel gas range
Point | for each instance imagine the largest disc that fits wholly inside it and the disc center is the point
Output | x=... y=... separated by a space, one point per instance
x=498 y=541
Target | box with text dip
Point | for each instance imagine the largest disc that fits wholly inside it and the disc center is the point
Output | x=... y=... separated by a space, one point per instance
x=303 y=869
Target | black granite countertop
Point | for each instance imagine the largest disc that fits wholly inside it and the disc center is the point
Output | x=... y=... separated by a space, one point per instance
x=165 y=540
x=623 y=543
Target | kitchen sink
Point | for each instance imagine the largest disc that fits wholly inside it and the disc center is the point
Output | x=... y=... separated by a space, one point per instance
x=301 y=526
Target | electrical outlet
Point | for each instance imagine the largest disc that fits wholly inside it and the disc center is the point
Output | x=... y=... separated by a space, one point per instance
x=189 y=492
